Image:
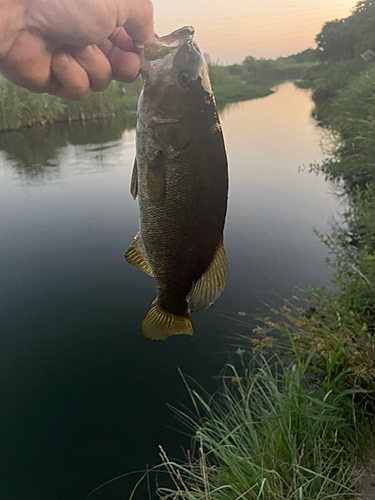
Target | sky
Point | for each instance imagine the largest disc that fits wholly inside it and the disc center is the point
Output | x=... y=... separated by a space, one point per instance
x=230 y=30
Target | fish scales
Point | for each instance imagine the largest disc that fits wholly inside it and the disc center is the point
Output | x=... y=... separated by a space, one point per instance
x=182 y=184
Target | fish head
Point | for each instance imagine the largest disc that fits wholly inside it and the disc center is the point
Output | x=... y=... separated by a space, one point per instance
x=175 y=74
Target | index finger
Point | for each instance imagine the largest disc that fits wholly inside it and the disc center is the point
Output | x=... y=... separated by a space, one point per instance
x=140 y=23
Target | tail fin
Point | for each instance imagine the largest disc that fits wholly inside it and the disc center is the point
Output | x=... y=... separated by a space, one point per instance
x=159 y=324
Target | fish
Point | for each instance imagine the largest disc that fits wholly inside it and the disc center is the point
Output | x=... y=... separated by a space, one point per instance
x=180 y=177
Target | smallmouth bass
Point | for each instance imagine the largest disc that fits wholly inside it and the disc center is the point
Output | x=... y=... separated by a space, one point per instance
x=180 y=176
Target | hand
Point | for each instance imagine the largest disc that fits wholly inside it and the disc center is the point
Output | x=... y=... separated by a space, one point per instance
x=69 y=47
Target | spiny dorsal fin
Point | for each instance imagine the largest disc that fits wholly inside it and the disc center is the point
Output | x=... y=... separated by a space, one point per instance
x=208 y=288
x=134 y=181
x=159 y=324
x=136 y=255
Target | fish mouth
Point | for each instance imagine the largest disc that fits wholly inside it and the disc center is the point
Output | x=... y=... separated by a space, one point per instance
x=178 y=37
x=159 y=47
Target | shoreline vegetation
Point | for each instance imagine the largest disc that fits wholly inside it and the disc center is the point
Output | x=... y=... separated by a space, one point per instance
x=298 y=421
x=251 y=80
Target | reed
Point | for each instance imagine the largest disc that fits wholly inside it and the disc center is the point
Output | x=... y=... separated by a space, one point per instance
x=19 y=108
x=266 y=434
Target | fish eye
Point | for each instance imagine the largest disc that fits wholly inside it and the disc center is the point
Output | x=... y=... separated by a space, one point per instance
x=184 y=80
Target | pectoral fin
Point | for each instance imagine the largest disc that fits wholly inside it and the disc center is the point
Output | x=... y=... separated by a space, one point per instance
x=210 y=285
x=134 y=181
x=136 y=256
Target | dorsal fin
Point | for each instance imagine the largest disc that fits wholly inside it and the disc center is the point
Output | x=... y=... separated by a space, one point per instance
x=134 y=181
x=136 y=255
x=210 y=285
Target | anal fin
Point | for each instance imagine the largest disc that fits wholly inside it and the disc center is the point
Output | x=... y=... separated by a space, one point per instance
x=160 y=324
x=210 y=285
x=136 y=256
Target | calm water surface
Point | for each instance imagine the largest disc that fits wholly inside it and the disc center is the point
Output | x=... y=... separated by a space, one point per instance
x=82 y=394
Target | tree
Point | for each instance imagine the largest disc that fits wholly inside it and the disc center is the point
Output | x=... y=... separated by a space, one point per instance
x=337 y=40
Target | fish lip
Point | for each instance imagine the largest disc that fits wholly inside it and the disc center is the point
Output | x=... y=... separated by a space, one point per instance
x=169 y=42
x=183 y=35
x=159 y=47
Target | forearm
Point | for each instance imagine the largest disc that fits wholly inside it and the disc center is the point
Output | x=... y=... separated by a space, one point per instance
x=11 y=22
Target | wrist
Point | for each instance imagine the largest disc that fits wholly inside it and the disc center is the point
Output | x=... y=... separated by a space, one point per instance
x=11 y=23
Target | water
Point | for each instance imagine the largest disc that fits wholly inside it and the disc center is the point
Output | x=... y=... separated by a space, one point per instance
x=83 y=395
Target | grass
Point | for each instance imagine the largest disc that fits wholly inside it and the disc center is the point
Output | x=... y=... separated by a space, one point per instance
x=290 y=428
x=19 y=108
x=268 y=434
x=351 y=121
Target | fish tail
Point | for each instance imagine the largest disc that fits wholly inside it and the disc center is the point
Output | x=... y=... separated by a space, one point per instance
x=159 y=324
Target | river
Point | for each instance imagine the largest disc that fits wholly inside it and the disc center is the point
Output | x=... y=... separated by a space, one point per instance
x=82 y=394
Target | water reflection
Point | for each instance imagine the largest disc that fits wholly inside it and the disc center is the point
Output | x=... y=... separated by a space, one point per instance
x=34 y=154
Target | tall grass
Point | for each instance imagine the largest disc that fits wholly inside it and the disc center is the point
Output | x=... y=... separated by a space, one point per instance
x=267 y=435
x=20 y=108
x=351 y=119
x=327 y=79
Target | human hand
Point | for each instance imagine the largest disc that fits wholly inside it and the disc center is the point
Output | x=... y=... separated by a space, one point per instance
x=69 y=47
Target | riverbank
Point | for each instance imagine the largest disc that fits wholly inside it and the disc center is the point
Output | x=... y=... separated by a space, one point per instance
x=225 y=94
x=20 y=108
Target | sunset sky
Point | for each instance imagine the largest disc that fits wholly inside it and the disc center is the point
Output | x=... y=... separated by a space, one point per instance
x=230 y=30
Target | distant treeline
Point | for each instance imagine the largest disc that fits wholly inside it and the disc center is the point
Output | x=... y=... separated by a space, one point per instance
x=255 y=77
x=270 y=71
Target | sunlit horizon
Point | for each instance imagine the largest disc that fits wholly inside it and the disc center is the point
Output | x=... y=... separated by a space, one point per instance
x=230 y=31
